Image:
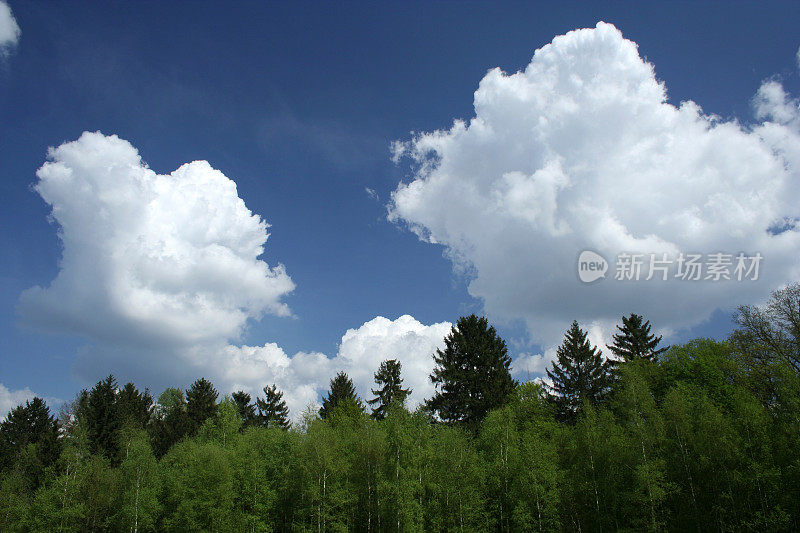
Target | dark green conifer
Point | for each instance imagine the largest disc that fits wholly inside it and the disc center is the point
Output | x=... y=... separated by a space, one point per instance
x=578 y=374
x=390 y=388
x=341 y=387
x=103 y=420
x=272 y=410
x=246 y=410
x=30 y=425
x=201 y=402
x=472 y=373
x=134 y=407
x=634 y=341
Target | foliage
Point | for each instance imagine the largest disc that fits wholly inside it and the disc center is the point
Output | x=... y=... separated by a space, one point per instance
x=342 y=388
x=634 y=341
x=272 y=410
x=246 y=409
x=578 y=374
x=703 y=438
x=29 y=441
x=201 y=403
x=390 y=388
x=471 y=374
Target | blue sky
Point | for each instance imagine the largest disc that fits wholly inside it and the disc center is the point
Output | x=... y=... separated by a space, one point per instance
x=298 y=104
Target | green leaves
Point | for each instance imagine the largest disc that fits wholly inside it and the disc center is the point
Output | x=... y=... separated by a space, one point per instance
x=704 y=437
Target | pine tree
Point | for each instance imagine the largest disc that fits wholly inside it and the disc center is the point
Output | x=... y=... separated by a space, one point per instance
x=103 y=420
x=392 y=391
x=471 y=374
x=635 y=341
x=579 y=374
x=30 y=425
x=272 y=410
x=201 y=402
x=246 y=410
x=134 y=407
x=341 y=388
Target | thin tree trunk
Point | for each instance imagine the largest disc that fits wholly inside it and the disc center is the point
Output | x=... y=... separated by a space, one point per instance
x=136 y=506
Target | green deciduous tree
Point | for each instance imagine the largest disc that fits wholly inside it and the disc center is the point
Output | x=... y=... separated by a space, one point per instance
x=500 y=444
x=198 y=489
x=772 y=331
x=455 y=496
x=224 y=426
x=402 y=486
x=261 y=462
x=326 y=500
x=139 y=484
x=643 y=428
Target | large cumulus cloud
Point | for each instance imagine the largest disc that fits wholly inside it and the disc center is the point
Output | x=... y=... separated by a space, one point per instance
x=150 y=258
x=582 y=150
x=158 y=272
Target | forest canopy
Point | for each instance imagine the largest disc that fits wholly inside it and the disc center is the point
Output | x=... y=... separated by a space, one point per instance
x=632 y=436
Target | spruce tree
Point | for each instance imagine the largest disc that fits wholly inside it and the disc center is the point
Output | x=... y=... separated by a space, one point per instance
x=471 y=374
x=390 y=388
x=30 y=425
x=134 y=407
x=103 y=420
x=579 y=374
x=246 y=410
x=201 y=402
x=272 y=410
x=341 y=388
x=634 y=341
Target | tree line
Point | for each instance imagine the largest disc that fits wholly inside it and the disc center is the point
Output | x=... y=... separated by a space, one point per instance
x=702 y=436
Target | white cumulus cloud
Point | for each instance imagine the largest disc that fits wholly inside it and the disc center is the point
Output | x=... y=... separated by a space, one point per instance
x=160 y=273
x=581 y=150
x=9 y=29
x=412 y=343
x=150 y=261
x=304 y=376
